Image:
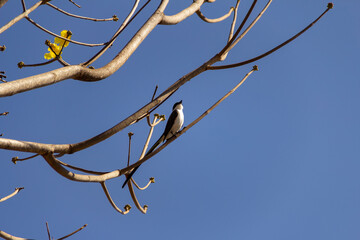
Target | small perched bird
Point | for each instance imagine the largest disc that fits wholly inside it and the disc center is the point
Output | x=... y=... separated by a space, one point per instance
x=173 y=125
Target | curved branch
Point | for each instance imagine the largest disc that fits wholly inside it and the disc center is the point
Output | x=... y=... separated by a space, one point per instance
x=133 y=196
x=11 y=195
x=270 y=51
x=181 y=16
x=54 y=163
x=216 y=20
x=151 y=180
x=127 y=207
x=21 y=16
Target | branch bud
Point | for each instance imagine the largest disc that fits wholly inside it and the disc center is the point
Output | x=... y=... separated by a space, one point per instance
x=2 y=48
x=115 y=18
x=255 y=68
x=21 y=64
x=152 y=180
x=14 y=159
x=330 y=5
x=130 y=134
x=163 y=118
x=127 y=207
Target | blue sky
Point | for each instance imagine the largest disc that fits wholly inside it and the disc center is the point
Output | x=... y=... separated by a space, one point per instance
x=279 y=159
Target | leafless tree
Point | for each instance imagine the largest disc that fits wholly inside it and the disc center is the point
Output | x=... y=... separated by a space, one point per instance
x=84 y=72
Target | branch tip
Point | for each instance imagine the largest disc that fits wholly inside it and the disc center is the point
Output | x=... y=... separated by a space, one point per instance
x=330 y=5
x=146 y=207
x=152 y=180
x=130 y=134
x=14 y=159
x=255 y=68
x=127 y=207
x=21 y=65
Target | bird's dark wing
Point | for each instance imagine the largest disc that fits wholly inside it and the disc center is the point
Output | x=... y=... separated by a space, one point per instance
x=170 y=122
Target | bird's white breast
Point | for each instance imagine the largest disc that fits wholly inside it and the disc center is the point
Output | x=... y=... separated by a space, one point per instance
x=179 y=121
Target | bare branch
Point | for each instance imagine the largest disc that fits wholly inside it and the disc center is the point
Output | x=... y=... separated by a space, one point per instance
x=7 y=236
x=127 y=207
x=81 y=73
x=69 y=235
x=75 y=3
x=232 y=28
x=181 y=16
x=16 y=159
x=114 y=18
x=136 y=201
x=248 y=28
x=270 y=51
x=216 y=20
x=48 y=230
x=21 y=16
x=11 y=195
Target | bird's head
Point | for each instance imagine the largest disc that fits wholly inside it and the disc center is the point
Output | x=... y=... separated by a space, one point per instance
x=178 y=105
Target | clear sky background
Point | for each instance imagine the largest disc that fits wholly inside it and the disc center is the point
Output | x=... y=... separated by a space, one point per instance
x=278 y=160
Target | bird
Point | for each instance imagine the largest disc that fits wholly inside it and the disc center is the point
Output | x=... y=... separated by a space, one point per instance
x=173 y=125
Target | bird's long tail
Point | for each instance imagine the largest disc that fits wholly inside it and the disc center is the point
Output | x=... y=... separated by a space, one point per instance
x=161 y=139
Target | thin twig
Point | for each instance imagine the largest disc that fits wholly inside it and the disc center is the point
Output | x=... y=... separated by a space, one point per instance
x=16 y=159
x=17 y=190
x=81 y=17
x=72 y=233
x=69 y=40
x=80 y=169
x=232 y=28
x=153 y=96
x=75 y=3
x=22 y=64
x=127 y=207
x=270 y=51
x=48 y=230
